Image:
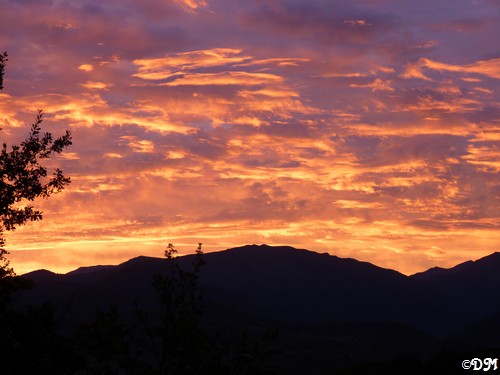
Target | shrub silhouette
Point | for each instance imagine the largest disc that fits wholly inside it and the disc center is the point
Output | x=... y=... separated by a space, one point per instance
x=171 y=339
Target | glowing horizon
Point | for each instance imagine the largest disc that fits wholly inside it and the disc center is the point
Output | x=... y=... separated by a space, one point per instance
x=366 y=129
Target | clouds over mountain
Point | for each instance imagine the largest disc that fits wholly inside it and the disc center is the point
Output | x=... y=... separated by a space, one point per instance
x=363 y=128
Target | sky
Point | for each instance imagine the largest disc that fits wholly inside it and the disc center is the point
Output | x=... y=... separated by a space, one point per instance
x=367 y=129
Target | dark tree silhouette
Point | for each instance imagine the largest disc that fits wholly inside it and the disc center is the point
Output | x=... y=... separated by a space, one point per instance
x=29 y=339
x=157 y=341
x=174 y=338
x=23 y=179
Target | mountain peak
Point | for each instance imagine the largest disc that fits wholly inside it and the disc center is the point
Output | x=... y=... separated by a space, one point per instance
x=88 y=269
x=492 y=258
x=471 y=268
x=40 y=275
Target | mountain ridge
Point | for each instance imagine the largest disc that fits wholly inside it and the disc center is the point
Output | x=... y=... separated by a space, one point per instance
x=418 y=275
x=285 y=283
x=352 y=310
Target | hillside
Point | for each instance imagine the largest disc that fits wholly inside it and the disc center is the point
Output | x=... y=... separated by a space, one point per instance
x=323 y=305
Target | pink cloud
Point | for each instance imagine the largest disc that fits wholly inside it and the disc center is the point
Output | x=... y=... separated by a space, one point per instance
x=367 y=129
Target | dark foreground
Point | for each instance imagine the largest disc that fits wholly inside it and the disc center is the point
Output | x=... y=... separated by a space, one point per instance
x=254 y=310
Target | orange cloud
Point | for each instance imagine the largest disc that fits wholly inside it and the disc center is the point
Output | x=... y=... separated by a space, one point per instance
x=86 y=67
x=377 y=85
x=139 y=145
x=489 y=68
x=91 y=85
x=280 y=61
x=225 y=78
x=162 y=68
x=414 y=71
x=192 y=5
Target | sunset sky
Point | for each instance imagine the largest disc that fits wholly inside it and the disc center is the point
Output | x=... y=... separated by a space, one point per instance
x=366 y=129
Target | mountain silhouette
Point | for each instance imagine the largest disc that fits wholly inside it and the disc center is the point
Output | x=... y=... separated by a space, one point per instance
x=295 y=285
x=468 y=290
x=335 y=309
